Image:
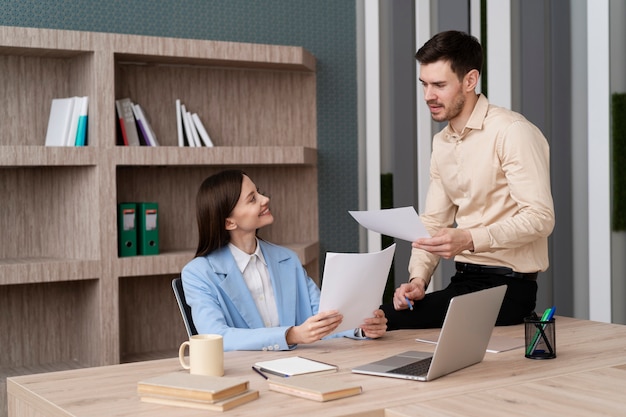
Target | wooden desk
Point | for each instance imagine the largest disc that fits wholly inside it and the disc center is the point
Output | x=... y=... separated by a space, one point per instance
x=588 y=393
x=584 y=348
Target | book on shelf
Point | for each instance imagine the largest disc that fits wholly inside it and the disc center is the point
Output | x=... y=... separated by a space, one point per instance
x=145 y=128
x=70 y=139
x=191 y=131
x=61 y=111
x=147 y=228
x=179 y=125
x=127 y=229
x=186 y=128
x=194 y=132
x=295 y=365
x=201 y=130
x=81 y=127
x=312 y=387
x=223 y=405
x=184 y=386
x=126 y=117
x=67 y=123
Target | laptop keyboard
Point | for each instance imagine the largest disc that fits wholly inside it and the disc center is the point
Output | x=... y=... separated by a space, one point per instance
x=416 y=368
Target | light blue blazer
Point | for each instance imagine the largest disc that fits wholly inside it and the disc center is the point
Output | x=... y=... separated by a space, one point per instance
x=222 y=304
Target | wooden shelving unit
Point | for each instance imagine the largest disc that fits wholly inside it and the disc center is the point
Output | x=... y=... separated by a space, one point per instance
x=66 y=299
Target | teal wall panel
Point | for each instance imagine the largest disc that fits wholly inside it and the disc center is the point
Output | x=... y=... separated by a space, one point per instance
x=327 y=28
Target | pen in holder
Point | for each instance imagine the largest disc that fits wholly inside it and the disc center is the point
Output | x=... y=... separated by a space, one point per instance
x=540 y=338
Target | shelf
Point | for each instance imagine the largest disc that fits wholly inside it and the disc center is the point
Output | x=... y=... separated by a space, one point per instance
x=49 y=323
x=66 y=298
x=238 y=107
x=149 y=317
x=50 y=212
x=162 y=264
x=173 y=262
x=32 y=156
x=151 y=50
x=37 y=72
x=38 y=270
x=216 y=156
x=45 y=42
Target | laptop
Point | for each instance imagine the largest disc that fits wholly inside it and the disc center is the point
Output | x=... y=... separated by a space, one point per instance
x=463 y=340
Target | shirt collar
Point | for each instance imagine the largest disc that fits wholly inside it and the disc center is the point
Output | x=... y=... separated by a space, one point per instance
x=479 y=114
x=476 y=119
x=242 y=258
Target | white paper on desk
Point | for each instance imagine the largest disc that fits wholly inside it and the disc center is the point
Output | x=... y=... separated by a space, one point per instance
x=496 y=344
x=402 y=223
x=353 y=284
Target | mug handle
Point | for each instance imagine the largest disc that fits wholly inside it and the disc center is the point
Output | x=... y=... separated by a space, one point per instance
x=181 y=355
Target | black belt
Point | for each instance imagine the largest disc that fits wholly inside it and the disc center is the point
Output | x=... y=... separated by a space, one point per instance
x=463 y=267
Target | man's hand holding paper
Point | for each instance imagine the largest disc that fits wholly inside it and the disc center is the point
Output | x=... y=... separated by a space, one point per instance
x=447 y=243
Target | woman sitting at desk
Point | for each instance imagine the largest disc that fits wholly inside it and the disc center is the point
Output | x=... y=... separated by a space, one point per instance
x=255 y=294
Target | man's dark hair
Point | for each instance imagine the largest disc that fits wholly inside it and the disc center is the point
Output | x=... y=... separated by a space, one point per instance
x=463 y=51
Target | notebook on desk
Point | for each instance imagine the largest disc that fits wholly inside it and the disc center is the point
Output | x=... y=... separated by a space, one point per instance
x=463 y=340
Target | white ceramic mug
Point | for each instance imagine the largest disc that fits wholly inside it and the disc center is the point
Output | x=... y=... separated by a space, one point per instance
x=206 y=354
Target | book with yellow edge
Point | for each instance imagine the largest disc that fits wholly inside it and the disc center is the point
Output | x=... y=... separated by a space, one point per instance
x=186 y=386
x=223 y=405
x=311 y=387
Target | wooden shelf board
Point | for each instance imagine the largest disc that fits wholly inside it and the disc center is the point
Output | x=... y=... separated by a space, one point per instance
x=173 y=262
x=39 y=270
x=153 y=49
x=161 y=264
x=37 y=156
x=216 y=156
x=52 y=43
x=41 y=52
x=168 y=51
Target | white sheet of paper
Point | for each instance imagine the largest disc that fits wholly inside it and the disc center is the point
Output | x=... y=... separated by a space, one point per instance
x=402 y=223
x=353 y=284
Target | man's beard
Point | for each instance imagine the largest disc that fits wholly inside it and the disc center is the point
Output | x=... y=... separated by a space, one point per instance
x=454 y=110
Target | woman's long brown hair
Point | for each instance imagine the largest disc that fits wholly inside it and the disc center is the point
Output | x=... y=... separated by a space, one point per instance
x=216 y=199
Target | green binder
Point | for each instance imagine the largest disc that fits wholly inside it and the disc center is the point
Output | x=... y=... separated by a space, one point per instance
x=126 y=229
x=147 y=228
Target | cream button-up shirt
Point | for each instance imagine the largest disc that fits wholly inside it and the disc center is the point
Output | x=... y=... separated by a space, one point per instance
x=492 y=179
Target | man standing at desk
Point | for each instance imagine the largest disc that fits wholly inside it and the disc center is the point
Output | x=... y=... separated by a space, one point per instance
x=489 y=176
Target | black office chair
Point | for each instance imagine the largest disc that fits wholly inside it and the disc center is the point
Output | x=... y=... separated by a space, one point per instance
x=185 y=310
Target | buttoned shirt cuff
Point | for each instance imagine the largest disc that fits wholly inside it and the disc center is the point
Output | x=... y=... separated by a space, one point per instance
x=481 y=239
x=424 y=280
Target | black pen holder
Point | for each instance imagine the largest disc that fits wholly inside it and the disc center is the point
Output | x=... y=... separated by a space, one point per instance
x=540 y=338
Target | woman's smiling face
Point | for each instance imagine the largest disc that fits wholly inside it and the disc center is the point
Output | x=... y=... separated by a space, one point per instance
x=252 y=210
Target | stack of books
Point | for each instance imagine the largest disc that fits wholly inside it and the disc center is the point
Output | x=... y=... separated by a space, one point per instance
x=67 y=124
x=191 y=130
x=134 y=127
x=196 y=391
x=305 y=378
